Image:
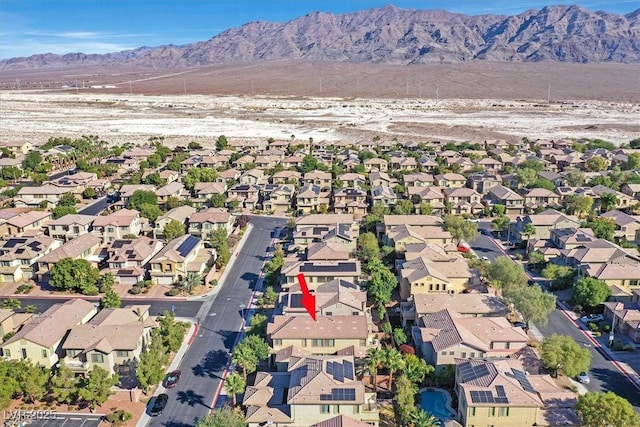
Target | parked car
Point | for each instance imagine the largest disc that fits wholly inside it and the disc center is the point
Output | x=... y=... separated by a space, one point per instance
x=584 y=378
x=520 y=325
x=172 y=379
x=592 y=318
x=484 y=258
x=158 y=405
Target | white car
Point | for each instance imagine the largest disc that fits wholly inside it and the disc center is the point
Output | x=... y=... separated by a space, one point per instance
x=592 y=318
x=484 y=258
x=584 y=378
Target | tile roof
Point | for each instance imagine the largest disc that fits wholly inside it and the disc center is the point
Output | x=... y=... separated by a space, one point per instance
x=326 y=327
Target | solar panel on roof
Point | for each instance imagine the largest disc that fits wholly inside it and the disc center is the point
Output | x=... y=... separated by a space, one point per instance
x=330 y=368
x=523 y=380
x=338 y=371
x=500 y=391
x=187 y=246
x=12 y=243
x=349 y=370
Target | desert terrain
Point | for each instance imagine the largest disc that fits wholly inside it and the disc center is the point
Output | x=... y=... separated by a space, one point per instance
x=326 y=101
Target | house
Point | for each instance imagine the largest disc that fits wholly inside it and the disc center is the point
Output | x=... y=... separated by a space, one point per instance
x=17 y=148
x=483 y=182
x=180 y=214
x=86 y=246
x=467 y=305
x=623 y=201
x=19 y=255
x=202 y=224
x=431 y=195
x=327 y=251
x=631 y=190
x=252 y=177
x=69 y=226
x=113 y=340
x=335 y=298
x=463 y=201
x=75 y=183
x=169 y=176
x=489 y=164
x=599 y=251
x=292 y=162
x=381 y=179
x=420 y=276
x=543 y=222
x=419 y=179
x=622 y=278
x=11 y=321
x=403 y=235
x=24 y=223
x=351 y=179
x=127 y=190
x=417 y=221
x=204 y=191
x=342 y=234
x=501 y=195
x=174 y=189
x=279 y=199
x=127 y=259
x=312 y=391
x=540 y=197
x=319 y=271
x=7 y=162
x=350 y=200
x=375 y=165
x=627 y=226
x=117 y=225
x=446 y=335
x=325 y=335
x=624 y=316
x=499 y=392
x=286 y=177
x=312 y=198
x=383 y=195
x=179 y=257
x=403 y=163
x=246 y=196
x=319 y=179
x=450 y=180
x=314 y=220
x=40 y=340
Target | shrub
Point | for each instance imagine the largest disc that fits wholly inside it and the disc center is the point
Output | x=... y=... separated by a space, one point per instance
x=593 y=327
x=24 y=289
x=213 y=282
x=597 y=334
x=172 y=292
x=135 y=290
x=606 y=328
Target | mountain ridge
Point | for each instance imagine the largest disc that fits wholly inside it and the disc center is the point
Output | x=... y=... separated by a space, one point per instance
x=391 y=35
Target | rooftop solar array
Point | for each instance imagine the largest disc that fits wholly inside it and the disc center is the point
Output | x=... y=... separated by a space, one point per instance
x=470 y=372
x=349 y=370
x=12 y=243
x=187 y=246
x=523 y=380
x=340 y=394
x=486 y=396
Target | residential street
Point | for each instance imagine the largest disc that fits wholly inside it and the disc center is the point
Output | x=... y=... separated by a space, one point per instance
x=219 y=322
x=604 y=375
x=95 y=208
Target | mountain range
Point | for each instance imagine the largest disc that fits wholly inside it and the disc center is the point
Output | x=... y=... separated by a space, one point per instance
x=391 y=35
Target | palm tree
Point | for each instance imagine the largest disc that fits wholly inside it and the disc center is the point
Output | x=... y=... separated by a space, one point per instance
x=375 y=358
x=190 y=282
x=394 y=361
x=421 y=418
x=234 y=384
x=529 y=230
x=244 y=357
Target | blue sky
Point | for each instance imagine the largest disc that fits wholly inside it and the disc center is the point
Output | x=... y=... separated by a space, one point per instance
x=99 y=26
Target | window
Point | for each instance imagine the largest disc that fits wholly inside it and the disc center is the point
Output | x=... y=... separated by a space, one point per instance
x=336 y=409
x=356 y=409
x=472 y=354
x=503 y=412
x=122 y=353
x=472 y=411
x=451 y=353
x=277 y=342
x=7 y=353
x=634 y=283
x=110 y=229
x=444 y=353
x=25 y=262
x=492 y=411
x=322 y=343
x=24 y=353
x=329 y=313
x=324 y=409
x=45 y=354
x=97 y=358
x=72 y=353
x=464 y=355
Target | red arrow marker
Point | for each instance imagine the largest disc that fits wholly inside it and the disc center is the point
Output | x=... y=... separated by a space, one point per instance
x=308 y=300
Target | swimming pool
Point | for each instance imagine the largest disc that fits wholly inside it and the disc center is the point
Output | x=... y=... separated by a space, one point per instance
x=436 y=402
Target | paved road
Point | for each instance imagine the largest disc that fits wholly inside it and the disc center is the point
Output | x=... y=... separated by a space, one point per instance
x=95 y=208
x=604 y=375
x=181 y=308
x=219 y=321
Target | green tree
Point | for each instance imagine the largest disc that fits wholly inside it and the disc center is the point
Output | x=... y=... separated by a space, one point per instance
x=423 y=419
x=106 y=282
x=68 y=199
x=608 y=201
x=416 y=368
x=220 y=242
x=142 y=197
x=561 y=353
x=394 y=361
x=10 y=373
x=31 y=161
x=33 y=381
x=500 y=223
x=633 y=161
x=526 y=176
x=529 y=231
x=425 y=208
x=606 y=409
x=221 y=143
x=578 y=205
x=234 y=384
x=270 y=295
x=368 y=244
x=60 y=211
x=542 y=183
x=173 y=202
x=531 y=302
x=399 y=336
x=75 y=275
x=11 y=304
x=258 y=346
x=603 y=228
x=405 y=398
x=562 y=276
x=574 y=177
x=96 y=387
x=152 y=212
x=309 y=163
x=110 y=300
x=590 y=292
x=403 y=207
x=596 y=164
x=378 y=211
x=218 y=200
x=460 y=228
x=171 y=332
x=223 y=417
x=89 y=193
x=150 y=368
x=503 y=272
x=499 y=209
x=189 y=282
x=64 y=385
x=258 y=325
x=375 y=359
x=245 y=358
x=382 y=282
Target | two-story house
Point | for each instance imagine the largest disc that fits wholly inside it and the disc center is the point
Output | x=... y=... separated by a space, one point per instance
x=121 y=223
x=286 y=177
x=244 y=195
x=383 y=195
x=540 y=197
x=312 y=198
x=69 y=226
x=279 y=199
x=321 y=271
x=34 y=196
x=202 y=224
x=421 y=275
x=86 y=246
x=179 y=257
x=40 y=340
x=463 y=201
x=19 y=255
x=350 y=200
x=627 y=226
x=354 y=180
x=24 y=223
x=180 y=214
x=113 y=340
x=127 y=258
x=204 y=191
x=483 y=181
x=375 y=164
x=319 y=179
x=501 y=195
x=450 y=180
x=173 y=189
